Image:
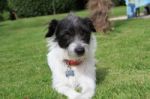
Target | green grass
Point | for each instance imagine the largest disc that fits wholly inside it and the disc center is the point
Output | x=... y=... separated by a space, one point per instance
x=123 y=60
x=118 y=11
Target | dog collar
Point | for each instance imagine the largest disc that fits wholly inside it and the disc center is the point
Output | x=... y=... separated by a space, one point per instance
x=72 y=62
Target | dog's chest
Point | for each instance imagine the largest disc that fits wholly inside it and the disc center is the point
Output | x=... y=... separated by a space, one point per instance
x=72 y=77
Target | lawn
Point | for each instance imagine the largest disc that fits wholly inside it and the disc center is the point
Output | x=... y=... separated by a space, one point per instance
x=123 y=60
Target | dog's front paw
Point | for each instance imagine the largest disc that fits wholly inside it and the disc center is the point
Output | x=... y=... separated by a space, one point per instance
x=77 y=96
x=84 y=97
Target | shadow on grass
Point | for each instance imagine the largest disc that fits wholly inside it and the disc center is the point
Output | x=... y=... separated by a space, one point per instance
x=116 y=26
x=101 y=73
x=119 y=23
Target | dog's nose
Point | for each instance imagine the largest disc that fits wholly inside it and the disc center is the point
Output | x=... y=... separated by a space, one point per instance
x=80 y=50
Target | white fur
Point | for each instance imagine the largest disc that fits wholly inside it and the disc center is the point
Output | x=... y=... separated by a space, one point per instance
x=84 y=73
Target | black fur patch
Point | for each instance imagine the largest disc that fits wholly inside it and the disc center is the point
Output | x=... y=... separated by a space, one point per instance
x=51 y=28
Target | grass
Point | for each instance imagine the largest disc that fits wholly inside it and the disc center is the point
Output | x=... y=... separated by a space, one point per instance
x=123 y=60
x=118 y=11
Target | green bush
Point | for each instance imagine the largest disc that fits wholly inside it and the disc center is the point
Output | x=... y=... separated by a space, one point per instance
x=3 y=5
x=4 y=10
x=118 y=2
x=80 y=4
x=29 y=8
x=64 y=5
x=26 y=8
x=1 y=18
x=4 y=16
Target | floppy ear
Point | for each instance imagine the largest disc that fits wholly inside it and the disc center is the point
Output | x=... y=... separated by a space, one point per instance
x=51 y=28
x=90 y=25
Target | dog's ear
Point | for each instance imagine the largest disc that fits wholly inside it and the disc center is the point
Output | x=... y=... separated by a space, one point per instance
x=89 y=24
x=51 y=28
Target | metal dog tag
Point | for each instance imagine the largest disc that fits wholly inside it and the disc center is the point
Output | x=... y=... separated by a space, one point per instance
x=69 y=73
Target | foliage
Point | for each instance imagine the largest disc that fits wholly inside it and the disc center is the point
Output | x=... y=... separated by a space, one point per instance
x=3 y=8
x=25 y=8
x=28 y=8
x=3 y=5
x=4 y=16
x=118 y=2
x=1 y=17
x=80 y=4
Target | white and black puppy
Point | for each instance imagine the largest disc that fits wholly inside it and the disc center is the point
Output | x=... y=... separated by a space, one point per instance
x=71 y=56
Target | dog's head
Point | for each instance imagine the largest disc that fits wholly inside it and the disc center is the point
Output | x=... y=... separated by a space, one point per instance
x=72 y=34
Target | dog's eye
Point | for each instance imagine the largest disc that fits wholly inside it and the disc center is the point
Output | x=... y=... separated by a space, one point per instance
x=64 y=39
x=68 y=33
x=86 y=36
x=65 y=34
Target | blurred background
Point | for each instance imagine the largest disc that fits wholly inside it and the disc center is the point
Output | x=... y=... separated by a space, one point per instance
x=11 y=9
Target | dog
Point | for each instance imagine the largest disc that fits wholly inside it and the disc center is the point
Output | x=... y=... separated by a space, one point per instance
x=71 y=56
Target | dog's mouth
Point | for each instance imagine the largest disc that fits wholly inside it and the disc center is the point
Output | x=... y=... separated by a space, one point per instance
x=73 y=62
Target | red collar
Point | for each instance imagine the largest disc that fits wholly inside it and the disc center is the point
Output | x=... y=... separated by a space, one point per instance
x=73 y=62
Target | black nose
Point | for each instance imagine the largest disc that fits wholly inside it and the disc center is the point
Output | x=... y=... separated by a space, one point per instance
x=80 y=50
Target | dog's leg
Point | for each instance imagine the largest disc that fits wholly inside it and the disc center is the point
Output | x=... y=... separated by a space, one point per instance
x=88 y=88
x=67 y=91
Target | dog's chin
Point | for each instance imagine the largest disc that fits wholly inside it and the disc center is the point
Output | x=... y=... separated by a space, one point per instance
x=73 y=56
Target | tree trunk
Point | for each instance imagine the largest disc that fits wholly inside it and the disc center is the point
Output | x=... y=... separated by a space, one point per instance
x=99 y=11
